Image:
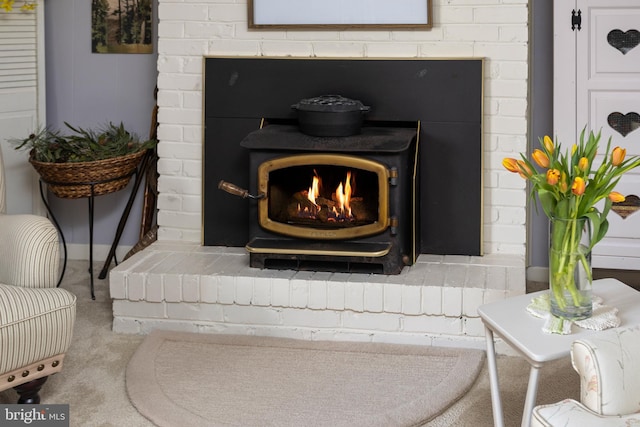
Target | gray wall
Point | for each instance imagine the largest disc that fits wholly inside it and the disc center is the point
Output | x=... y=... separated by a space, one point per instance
x=87 y=89
x=540 y=118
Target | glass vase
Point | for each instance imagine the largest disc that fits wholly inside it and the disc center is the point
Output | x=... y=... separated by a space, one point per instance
x=570 y=278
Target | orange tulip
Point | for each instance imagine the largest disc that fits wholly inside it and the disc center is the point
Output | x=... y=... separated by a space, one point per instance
x=510 y=164
x=548 y=144
x=616 y=197
x=524 y=169
x=617 y=156
x=583 y=164
x=540 y=158
x=553 y=176
x=578 y=186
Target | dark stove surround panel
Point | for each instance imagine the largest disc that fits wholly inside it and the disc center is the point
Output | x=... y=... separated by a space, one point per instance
x=445 y=96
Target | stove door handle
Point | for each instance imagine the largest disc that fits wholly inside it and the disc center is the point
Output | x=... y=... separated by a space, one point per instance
x=237 y=191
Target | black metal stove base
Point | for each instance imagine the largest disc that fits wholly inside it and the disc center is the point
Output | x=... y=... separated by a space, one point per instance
x=344 y=257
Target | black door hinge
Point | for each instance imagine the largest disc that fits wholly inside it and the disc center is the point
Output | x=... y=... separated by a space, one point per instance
x=576 y=20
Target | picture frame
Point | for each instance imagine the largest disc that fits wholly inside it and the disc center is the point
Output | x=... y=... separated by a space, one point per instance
x=121 y=28
x=339 y=14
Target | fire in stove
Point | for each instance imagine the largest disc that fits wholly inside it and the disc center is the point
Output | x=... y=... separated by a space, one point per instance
x=312 y=205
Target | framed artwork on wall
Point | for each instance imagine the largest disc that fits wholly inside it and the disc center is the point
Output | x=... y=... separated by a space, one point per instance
x=121 y=26
x=339 y=14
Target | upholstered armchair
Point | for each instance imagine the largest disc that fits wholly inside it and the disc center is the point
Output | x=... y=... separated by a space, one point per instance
x=36 y=317
x=608 y=364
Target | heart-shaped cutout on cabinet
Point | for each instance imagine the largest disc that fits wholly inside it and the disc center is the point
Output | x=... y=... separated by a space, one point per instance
x=624 y=41
x=630 y=205
x=624 y=124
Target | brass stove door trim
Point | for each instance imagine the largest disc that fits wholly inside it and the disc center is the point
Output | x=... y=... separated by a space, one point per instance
x=332 y=160
x=268 y=246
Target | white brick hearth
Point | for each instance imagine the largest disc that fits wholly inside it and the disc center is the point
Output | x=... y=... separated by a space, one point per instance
x=189 y=287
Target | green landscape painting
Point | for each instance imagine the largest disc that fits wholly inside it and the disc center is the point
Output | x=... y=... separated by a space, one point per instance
x=121 y=26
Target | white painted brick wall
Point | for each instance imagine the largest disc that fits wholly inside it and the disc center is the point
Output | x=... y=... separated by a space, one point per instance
x=494 y=29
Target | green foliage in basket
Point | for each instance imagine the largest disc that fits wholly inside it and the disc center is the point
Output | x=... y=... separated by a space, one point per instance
x=83 y=145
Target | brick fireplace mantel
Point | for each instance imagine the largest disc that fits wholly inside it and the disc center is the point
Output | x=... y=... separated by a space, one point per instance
x=212 y=288
x=179 y=296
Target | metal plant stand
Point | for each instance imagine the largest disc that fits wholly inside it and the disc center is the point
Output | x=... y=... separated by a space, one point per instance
x=139 y=173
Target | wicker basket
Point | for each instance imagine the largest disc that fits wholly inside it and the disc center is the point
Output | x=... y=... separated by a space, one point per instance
x=73 y=180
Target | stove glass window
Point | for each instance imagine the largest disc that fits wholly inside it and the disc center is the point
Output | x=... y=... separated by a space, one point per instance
x=323 y=196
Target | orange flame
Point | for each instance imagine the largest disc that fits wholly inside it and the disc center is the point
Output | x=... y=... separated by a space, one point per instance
x=342 y=197
x=314 y=190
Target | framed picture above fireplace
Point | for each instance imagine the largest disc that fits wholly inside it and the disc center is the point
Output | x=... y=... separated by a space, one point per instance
x=339 y=14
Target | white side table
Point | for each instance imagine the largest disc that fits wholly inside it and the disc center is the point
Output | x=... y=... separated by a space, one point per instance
x=510 y=320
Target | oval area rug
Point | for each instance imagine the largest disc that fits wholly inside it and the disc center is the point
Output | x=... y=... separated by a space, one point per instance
x=192 y=379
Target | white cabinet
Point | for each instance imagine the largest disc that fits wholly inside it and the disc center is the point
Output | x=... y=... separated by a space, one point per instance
x=22 y=101
x=597 y=84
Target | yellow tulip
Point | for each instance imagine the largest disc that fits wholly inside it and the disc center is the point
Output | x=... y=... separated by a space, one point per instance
x=563 y=186
x=583 y=164
x=540 y=158
x=510 y=164
x=617 y=156
x=574 y=147
x=553 y=176
x=563 y=183
x=578 y=186
x=616 y=197
x=548 y=144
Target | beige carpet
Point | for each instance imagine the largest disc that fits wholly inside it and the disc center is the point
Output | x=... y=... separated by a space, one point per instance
x=178 y=378
x=93 y=379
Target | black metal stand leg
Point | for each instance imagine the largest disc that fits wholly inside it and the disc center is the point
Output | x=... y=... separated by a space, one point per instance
x=140 y=173
x=55 y=223
x=91 y=200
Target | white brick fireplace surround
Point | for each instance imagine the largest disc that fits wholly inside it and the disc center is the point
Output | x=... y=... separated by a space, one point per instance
x=177 y=283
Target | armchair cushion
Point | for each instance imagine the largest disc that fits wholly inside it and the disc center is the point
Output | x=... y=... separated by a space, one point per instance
x=572 y=413
x=36 y=325
x=30 y=251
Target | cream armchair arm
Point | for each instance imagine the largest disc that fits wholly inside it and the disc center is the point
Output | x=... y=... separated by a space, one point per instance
x=608 y=364
x=29 y=251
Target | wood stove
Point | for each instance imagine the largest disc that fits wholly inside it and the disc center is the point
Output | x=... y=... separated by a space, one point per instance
x=332 y=203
